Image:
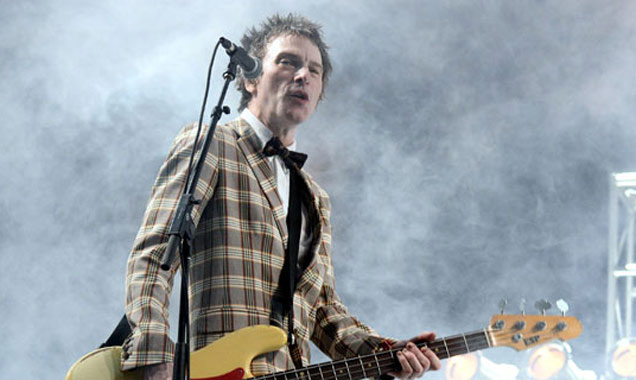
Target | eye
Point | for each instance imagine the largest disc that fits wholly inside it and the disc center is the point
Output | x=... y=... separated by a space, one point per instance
x=286 y=62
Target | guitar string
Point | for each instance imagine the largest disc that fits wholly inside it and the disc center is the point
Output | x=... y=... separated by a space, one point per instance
x=355 y=369
x=386 y=358
x=382 y=358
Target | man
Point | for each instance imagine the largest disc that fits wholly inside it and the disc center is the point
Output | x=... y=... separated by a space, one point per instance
x=241 y=234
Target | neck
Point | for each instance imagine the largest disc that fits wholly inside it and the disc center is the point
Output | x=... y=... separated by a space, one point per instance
x=378 y=363
x=279 y=128
x=286 y=136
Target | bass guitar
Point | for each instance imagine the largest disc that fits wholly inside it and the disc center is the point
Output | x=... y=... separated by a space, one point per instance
x=229 y=358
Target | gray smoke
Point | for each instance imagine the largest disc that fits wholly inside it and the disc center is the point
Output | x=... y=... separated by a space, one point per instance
x=466 y=147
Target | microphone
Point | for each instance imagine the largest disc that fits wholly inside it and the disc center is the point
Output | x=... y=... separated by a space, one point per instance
x=251 y=66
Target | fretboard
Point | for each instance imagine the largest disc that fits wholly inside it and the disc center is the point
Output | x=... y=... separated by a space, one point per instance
x=378 y=363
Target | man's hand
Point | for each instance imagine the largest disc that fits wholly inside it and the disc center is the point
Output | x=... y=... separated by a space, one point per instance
x=415 y=361
x=161 y=371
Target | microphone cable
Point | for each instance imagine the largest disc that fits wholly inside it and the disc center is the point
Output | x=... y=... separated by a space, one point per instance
x=205 y=100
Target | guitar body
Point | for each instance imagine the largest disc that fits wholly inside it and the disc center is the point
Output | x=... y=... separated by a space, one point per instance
x=228 y=358
x=102 y=364
x=235 y=352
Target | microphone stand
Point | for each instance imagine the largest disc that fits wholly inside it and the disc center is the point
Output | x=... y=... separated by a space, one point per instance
x=182 y=234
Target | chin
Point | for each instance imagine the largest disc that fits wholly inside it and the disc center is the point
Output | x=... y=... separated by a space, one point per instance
x=297 y=117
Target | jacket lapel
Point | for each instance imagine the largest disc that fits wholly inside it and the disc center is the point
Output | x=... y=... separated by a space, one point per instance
x=248 y=143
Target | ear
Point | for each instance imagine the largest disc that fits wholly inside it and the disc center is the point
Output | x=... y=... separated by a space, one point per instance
x=250 y=86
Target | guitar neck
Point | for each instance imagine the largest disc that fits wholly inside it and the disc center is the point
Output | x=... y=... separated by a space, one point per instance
x=378 y=363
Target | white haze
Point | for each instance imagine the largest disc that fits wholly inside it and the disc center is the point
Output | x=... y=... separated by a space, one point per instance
x=466 y=147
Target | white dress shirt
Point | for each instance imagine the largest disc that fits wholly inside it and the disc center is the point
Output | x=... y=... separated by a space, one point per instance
x=281 y=173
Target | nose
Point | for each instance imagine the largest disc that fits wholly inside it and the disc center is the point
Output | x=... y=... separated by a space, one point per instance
x=302 y=75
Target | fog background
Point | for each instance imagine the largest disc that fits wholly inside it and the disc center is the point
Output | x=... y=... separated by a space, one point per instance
x=466 y=147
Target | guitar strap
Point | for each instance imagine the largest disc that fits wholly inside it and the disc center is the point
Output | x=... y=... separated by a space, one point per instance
x=118 y=335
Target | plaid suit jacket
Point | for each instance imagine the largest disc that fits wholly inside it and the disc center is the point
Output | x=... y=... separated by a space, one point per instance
x=238 y=254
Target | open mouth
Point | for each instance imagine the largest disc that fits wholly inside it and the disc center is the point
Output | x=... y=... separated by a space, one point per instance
x=299 y=95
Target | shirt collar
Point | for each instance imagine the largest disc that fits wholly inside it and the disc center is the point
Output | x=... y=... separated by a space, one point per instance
x=263 y=133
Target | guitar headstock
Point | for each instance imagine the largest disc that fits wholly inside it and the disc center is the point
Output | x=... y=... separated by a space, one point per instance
x=521 y=331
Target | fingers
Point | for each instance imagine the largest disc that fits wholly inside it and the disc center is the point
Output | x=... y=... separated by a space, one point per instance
x=415 y=361
x=418 y=361
x=426 y=336
x=436 y=364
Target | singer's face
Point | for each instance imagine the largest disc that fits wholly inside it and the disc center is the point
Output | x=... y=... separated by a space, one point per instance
x=288 y=91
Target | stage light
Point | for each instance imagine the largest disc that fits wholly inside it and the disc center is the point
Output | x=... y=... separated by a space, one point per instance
x=546 y=361
x=462 y=367
x=624 y=358
x=476 y=366
x=554 y=361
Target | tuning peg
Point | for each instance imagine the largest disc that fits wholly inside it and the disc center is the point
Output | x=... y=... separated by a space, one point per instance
x=562 y=306
x=502 y=304
x=543 y=305
x=522 y=306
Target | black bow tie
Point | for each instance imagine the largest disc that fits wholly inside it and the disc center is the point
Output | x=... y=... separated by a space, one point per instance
x=291 y=159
